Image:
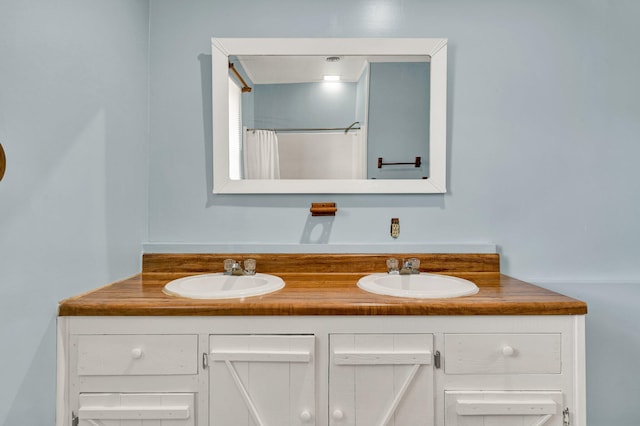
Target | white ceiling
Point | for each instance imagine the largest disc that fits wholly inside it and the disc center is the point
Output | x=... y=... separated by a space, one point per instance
x=265 y=69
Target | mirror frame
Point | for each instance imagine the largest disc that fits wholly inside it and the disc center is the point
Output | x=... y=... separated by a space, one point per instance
x=436 y=48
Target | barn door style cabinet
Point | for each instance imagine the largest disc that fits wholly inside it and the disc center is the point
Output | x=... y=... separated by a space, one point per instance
x=381 y=379
x=262 y=379
x=338 y=371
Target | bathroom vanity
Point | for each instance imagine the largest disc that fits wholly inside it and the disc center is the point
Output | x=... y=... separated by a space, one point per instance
x=321 y=351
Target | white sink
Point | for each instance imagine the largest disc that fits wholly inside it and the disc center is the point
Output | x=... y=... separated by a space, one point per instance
x=220 y=286
x=420 y=286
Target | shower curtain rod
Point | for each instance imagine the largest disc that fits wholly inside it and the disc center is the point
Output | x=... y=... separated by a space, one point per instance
x=245 y=87
x=346 y=129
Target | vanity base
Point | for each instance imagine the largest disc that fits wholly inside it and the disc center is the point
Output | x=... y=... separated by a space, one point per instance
x=321 y=370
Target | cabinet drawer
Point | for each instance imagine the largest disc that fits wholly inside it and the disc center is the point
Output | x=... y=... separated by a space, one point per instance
x=503 y=408
x=503 y=353
x=137 y=355
x=117 y=409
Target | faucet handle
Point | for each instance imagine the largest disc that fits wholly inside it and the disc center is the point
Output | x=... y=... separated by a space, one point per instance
x=250 y=266
x=228 y=265
x=392 y=265
x=414 y=265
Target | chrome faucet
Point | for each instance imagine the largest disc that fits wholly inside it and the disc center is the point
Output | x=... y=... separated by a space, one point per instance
x=232 y=267
x=236 y=268
x=410 y=266
x=406 y=268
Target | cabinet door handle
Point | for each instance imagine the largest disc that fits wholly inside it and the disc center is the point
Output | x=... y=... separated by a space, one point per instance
x=136 y=353
x=337 y=415
x=205 y=361
x=508 y=351
x=305 y=416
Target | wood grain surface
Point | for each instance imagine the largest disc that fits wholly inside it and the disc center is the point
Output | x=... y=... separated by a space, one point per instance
x=272 y=263
x=331 y=289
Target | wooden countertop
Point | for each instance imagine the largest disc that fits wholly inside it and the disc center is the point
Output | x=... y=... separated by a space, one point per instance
x=329 y=290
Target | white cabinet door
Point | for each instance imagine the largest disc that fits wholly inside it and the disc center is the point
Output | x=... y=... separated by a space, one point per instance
x=508 y=408
x=136 y=409
x=262 y=380
x=381 y=379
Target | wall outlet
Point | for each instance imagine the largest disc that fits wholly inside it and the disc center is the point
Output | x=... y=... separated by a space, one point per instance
x=395 y=227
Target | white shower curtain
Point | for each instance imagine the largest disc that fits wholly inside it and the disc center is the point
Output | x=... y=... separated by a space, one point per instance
x=261 y=159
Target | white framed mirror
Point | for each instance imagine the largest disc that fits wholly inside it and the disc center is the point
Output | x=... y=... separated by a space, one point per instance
x=351 y=133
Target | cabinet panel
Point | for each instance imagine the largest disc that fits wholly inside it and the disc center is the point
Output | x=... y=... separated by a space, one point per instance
x=137 y=354
x=322 y=371
x=136 y=409
x=509 y=408
x=503 y=353
x=381 y=379
x=262 y=380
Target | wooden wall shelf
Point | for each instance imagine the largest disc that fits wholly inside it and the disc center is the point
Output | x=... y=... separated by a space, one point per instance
x=323 y=209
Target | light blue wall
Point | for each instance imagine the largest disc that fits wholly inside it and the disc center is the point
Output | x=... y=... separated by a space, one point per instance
x=73 y=123
x=542 y=131
x=542 y=147
x=543 y=137
x=304 y=105
x=398 y=119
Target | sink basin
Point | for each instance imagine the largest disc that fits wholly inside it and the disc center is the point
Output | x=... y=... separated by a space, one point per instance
x=220 y=286
x=421 y=286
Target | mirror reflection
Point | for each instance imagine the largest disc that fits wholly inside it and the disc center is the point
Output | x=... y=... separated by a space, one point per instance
x=366 y=108
x=329 y=116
